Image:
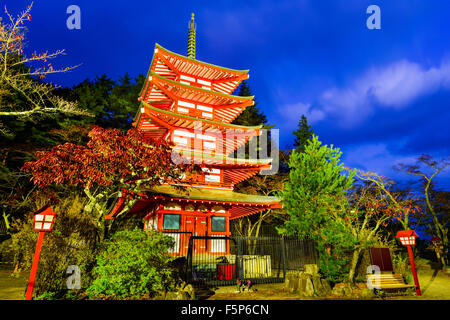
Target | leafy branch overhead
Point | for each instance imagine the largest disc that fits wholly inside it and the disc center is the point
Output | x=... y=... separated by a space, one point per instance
x=21 y=75
x=113 y=162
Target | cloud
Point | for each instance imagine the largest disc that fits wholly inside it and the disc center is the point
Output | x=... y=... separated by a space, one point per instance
x=293 y=112
x=395 y=86
x=373 y=157
x=381 y=159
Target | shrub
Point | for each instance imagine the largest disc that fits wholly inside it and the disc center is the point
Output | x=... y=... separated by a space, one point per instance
x=71 y=242
x=131 y=264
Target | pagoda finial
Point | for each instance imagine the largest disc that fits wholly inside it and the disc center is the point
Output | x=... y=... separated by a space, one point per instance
x=191 y=39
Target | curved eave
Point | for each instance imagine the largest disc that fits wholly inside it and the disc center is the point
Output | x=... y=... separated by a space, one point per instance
x=189 y=60
x=205 y=91
x=189 y=118
x=206 y=64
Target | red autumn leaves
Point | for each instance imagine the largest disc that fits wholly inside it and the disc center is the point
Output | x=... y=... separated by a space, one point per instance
x=111 y=156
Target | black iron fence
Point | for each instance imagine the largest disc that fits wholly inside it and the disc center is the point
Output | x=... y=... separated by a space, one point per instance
x=260 y=260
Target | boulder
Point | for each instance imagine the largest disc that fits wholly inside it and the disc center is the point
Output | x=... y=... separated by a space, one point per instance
x=312 y=269
x=306 y=287
x=189 y=290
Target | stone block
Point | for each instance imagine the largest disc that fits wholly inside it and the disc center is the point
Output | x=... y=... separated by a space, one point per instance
x=306 y=287
x=326 y=286
x=312 y=269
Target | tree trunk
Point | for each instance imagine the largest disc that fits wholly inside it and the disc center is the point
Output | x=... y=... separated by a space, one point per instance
x=354 y=265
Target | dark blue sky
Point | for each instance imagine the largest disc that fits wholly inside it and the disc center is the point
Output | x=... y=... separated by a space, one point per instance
x=381 y=96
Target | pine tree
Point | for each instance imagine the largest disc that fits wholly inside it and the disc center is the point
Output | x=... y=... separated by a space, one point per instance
x=302 y=134
x=251 y=116
x=314 y=199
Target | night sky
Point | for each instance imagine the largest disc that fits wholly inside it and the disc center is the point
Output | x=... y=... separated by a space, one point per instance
x=381 y=96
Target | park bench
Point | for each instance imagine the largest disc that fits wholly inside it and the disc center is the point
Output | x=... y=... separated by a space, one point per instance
x=388 y=281
x=384 y=278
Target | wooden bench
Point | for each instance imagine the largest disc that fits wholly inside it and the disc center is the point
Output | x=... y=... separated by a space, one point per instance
x=387 y=281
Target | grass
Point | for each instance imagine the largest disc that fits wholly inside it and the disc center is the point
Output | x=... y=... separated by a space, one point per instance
x=435 y=285
x=12 y=287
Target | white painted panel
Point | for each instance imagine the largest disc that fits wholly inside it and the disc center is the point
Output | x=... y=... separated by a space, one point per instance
x=180 y=140
x=211 y=178
x=204 y=82
x=184 y=110
x=184 y=133
x=186 y=104
x=211 y=170
x=176 y=237
x=211 y=145
x=218 y=245
x=206 y=137
x=200 y=107
x=187 y=78
x=207 y=115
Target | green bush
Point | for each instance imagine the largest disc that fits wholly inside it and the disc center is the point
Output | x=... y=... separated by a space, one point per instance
x=131 y=264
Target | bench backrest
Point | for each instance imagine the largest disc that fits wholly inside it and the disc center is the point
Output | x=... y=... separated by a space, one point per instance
x=381 y=257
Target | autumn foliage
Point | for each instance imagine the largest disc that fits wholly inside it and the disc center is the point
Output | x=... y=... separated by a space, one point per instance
x=111 y=156
x=111 y=163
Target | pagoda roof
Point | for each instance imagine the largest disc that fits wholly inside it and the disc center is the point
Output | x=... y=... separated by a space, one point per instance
x=205 y=64
x=170 y=65
x=240 y=204
x=208 y=123
x=162 y=92
x=156 y=123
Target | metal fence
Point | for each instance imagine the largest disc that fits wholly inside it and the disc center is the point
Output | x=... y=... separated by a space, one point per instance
x=260 y=260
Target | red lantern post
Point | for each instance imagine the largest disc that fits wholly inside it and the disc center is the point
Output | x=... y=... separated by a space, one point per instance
x=408 y=239
x=42 y=222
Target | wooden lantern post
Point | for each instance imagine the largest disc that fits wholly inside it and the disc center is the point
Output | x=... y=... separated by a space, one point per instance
x=42 y=222
x=408 y=239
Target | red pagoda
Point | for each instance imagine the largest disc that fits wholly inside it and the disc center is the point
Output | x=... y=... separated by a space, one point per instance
x=190 y=103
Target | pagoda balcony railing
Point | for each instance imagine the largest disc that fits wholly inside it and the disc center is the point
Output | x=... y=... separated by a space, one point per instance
x=204 y=147
x=201 y=182
x=200 y=114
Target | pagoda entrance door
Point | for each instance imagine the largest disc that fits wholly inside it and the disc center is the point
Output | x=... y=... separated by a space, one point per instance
x=198 y=227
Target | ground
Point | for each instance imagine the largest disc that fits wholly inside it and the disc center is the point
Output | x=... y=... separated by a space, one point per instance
x=435 y=285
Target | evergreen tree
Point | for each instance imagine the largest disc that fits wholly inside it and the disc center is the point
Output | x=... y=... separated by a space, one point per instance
x=251 y=116
x=315 y=201
x=302 y=134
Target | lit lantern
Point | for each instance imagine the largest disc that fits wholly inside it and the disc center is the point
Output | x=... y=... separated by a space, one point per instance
x=43 y=221
x=408 y=239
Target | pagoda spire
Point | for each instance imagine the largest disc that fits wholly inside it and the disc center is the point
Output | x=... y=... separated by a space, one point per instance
x=191 y=39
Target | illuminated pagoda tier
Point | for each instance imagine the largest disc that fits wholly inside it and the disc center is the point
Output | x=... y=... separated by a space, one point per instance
x=190 y=103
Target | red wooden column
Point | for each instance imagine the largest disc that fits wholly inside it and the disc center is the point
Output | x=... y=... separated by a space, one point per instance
x=413 y=269
x=37 y=254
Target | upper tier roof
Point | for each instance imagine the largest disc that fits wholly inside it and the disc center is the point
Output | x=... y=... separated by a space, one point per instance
x=171 y=65
x=168 y=94
x=156 y=123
